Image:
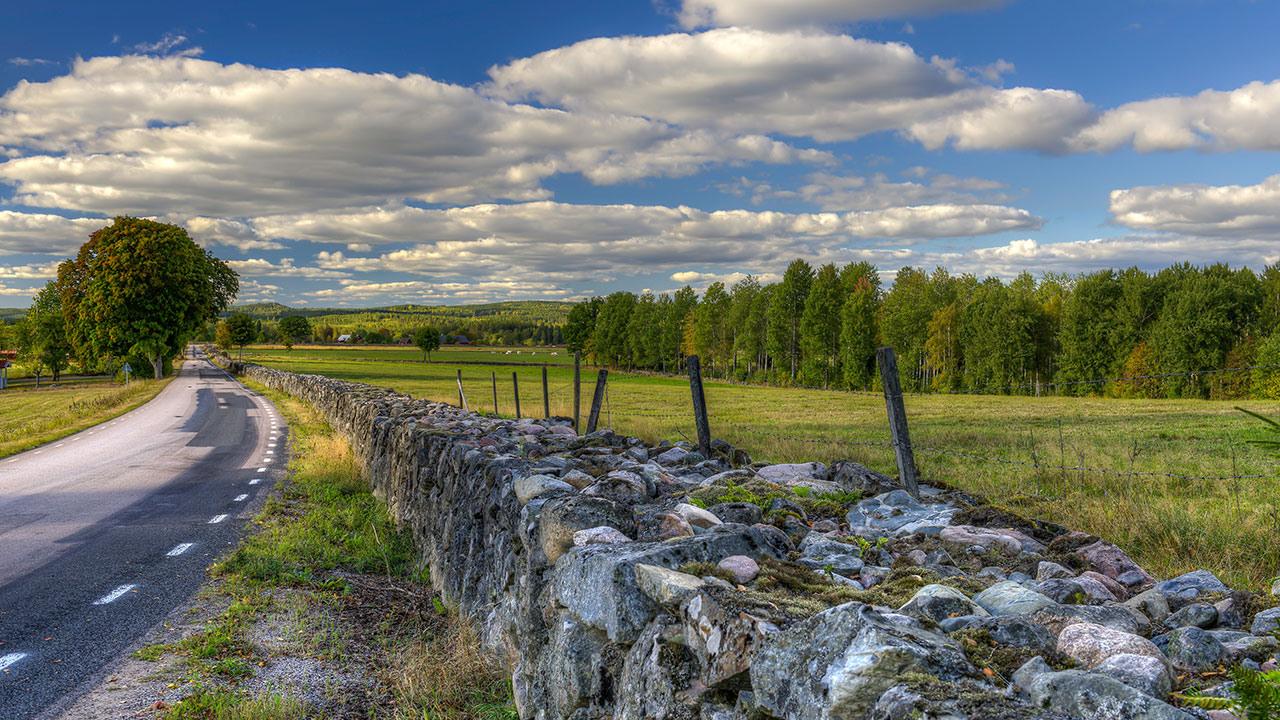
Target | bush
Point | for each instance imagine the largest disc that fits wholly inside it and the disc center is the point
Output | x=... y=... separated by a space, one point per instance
x=1266 y=376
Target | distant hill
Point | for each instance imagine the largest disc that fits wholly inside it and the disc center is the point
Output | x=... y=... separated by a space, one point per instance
x=12 y=314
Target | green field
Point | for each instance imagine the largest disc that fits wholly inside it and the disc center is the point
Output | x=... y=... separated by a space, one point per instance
x=1150 y=475
x=31 y=417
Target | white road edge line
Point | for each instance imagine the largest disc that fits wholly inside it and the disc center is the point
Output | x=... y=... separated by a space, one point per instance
x=262 y=469
x=8 y=660
x=255 y=481
x=241 y=498
x=179 y=549
x=114 y=594
x=217 y=519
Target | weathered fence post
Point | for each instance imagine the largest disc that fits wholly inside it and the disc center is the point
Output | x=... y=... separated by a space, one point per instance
x=462 y=398
x=699 y=406
x=888 y=363
x=577 y=391
x=546 y=396
x=597 y=401
x=494 y=377
x=515 y=383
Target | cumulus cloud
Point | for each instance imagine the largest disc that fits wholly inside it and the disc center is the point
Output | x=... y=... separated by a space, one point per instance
x=1204 y=210
x=7 y=291
x=790 y=13
x=443 y=291
x=1146 y=251
x=29 y=272
x=156 y=135
x=30 y=62
x=876 y=192
x=261 y=267
x=44 y=233
x=1240 y=119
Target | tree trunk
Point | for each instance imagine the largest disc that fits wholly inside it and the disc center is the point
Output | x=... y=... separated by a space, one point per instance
x=157 y=363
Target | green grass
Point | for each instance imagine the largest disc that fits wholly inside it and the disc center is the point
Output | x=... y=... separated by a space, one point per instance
x=1139 y=460
x=224 y=704
x=30 y=417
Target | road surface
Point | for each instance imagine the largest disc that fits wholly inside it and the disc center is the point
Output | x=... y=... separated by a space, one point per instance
x=104 y=532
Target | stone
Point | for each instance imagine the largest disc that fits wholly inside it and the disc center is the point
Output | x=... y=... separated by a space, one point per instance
x=1275 y=587
x=896 y=513
x=1266 y=622
x=850 y=655
x=1232 y=610
x=562 y=517
x=1151 y=603
x=1186 y=588
x=1241 y=646
x=826 y=555
x=602 y=535
x=1096 y=590
x=1093 y=696
x=794 y=474
x=722 y=640
x=533 y=486
x=1114 y=563
x=666 y=587
x=1115 y=588
x=939 y=602
x=952 y=624
x=1115 y=617
x=854 y=477
x=621 y=486
x=872 y=575
x=1140 y=672
x=674 y=456
x=1089 y=644
x=1010 y=598
x=1201 y=615
x=696 y=516
x=737 y=512
x=744 y=569
x=1047 y=570
x=1019 y=631
x=824 y=526
x=671 y=526
x=577 y=479
x=1011 y=541
x=1030 y=670
x=993 y=572
x=1193 y=650
x=1063 y=590
x=655 y=672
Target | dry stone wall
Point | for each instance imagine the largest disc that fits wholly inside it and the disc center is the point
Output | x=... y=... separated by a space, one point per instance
x=620 y=580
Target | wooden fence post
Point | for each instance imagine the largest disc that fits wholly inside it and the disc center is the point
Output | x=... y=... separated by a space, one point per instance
x=577 y=392
x=888 y=363
x=515 y=383
x=699 y=406
x=546 y=396
x=597 y=401
x=462 y=398
x=494 y=377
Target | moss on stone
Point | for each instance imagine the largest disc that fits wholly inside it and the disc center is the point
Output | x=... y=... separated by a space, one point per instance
x=998 y=662
x=704 y=569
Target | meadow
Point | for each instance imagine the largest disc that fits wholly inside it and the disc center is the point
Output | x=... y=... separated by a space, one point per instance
x=31 y=416
x=1174 y=482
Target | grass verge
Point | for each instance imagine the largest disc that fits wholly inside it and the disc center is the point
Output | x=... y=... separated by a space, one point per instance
x=326 y=582
x=30 y=416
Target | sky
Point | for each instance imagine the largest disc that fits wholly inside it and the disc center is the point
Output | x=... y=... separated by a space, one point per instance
x=350 y=154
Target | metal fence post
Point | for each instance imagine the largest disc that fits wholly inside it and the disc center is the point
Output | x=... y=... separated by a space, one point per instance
x=597 y=400
x=699 y=406
x=888 y=363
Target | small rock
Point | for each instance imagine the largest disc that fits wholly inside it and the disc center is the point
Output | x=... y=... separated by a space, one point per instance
x=1201 y=615
x=1064 y=590
x=1275 y=587
x=1114 y=588
x=1047 y=570
x=1232 y=610
x=854 y=477
x=1186 y=588
x=737 y=512
x=665 y=586
x=621 y=486
x=1029 y=671
x=1090 y=644
x=872 y=575
x=1266 y=622
x=577 y=478
x=672 y=526
x=1019 y=631
x=696 y=516
x=952 y=624
x=1095 y=696
x=916 y=557
x=744 y=569
x=993 y=572
x=1140 y=672
x=1115 y=617
x=533 y=486
x=1151 y=603
x=1010 y=598
x=674 y=456
x=825 y=526
x=822 y=553
x=896 y=513
x=793 y=473
x=1114 y=563
x=602 y=535
x=939 y=602
x=1011 y=541
x=1193 y=650
x=1095 y=590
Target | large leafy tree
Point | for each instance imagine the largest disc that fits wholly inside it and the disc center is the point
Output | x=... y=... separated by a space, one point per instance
x=242 y=330
x=611 y=328
x=581 y=325
x=712 y=338
x=294 y=329
x=820 y=328
x=785 y=312
x=141 y=287
x=427 y=339
x=43 y=332
x=859 y=332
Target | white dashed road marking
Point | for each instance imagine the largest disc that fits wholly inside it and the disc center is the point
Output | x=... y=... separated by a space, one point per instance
x=255 y=481
x=241 y=498
x=217 y=519
x=114 y=595
x=8 y=660
x=262 y=469
x=179 y=549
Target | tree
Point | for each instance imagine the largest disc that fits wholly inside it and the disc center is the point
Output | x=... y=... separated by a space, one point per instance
x=745 y=337
x=858 y=334
x=611 y=327
x=44 y=332
x=644 y=333
x=243 y=330
x=1266 y=375
x=785 y=313
x=905 y=313
x=426 y=339
x=673 y=326
x=141 y=286
x=820 y=328
x=581 y=325
x=222 y=336
x=711 y=338
x=294 y=328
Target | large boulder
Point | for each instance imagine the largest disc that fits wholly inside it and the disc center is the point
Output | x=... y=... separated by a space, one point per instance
x=722 y=639
x=824 y=554
x=939 y=602
x=1114 y=563
x=839 y=662
x=811 y=474
x=1094 y=696
x=1193 y=650
x=562 y=517
x=1186 y=588
x=896 y=513
x=1141 y=672
x=1089 y=644
x=1266 y=622
x=656 y=674
x=1010 y=598
x=1117 y=617
x=854 y=477
x=1007 y=539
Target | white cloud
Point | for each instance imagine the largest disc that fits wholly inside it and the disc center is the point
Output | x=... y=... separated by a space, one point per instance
x=261 y=267
x=1240 y=119
x=29 y=272
x=791 y=13
x=6 y=291
x=1016 y=118
x=157 y=136
x=44 y=233
x=1146 y=251
x=876 y=192
x=172 y=44
x=421 y=291
x=30 y=62
x=1205 y=210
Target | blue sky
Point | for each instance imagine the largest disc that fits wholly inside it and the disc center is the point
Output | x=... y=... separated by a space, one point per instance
x=390 y=152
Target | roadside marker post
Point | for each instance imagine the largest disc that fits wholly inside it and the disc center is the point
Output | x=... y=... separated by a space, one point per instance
x=126 y=369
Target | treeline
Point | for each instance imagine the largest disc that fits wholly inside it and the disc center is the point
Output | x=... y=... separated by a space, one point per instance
x=1184 y=331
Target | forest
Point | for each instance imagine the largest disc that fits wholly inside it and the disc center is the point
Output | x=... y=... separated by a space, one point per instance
x=1184 y=331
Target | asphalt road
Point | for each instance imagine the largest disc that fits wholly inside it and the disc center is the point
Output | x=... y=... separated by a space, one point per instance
x=104 y=532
